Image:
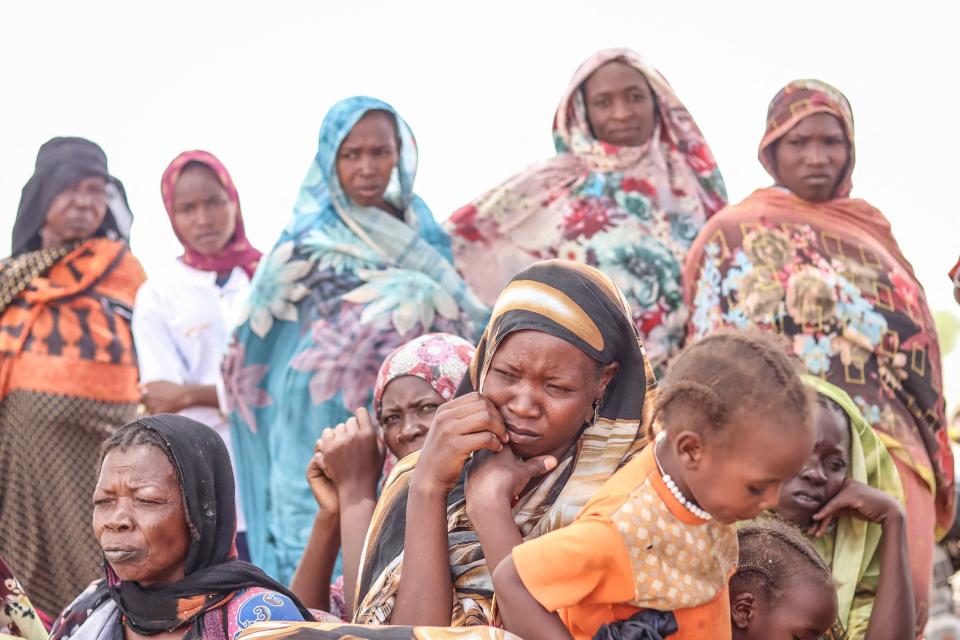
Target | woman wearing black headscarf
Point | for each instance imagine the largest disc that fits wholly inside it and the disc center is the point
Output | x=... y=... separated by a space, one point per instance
x=165 y=520
x=68 y=374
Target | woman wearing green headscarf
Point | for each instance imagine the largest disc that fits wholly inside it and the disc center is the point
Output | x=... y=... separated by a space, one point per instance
x=848 y=499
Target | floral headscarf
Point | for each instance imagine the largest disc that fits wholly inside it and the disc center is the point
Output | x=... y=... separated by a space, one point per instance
x=238 y=251
x=801 y=99
x=440 y=359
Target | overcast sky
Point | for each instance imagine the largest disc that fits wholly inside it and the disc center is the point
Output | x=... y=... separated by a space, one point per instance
x=251 y=82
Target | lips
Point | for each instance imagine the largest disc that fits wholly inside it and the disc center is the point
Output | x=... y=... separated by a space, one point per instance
x=119 y=554
x=519 y=435
x=807 y=500
x=818 y=178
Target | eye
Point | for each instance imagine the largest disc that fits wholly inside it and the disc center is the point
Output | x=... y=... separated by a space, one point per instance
x=754 y=491
x=795 y=143
x=505 y=374
x=427 y=409
x=99 y=502
x=601 y=103
x=391 y=419
x=147 y=501
x=558 y=389
x=637 y=97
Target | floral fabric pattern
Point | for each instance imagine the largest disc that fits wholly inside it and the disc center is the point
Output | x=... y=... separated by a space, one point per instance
x=630 y=211
x=343 y=287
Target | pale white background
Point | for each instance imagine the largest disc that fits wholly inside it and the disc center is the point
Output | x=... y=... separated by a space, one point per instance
x=478 y=84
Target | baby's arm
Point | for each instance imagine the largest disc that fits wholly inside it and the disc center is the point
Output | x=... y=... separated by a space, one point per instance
x=521 y=613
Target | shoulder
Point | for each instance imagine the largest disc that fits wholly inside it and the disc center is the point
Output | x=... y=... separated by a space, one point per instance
x=622 y=486
x=256 y=604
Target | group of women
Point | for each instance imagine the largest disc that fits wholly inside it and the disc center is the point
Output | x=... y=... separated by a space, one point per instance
x=270 y=350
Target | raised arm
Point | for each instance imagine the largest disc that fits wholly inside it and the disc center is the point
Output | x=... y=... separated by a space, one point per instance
x=464 y=425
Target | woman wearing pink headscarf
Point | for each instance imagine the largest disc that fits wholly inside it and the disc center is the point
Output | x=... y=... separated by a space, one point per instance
x=181 y=316
x=631 y=185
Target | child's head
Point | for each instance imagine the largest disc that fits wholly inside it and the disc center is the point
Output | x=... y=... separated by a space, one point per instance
x=782 y=589
x=412 y=383
x=825 y=470
x=738 y=419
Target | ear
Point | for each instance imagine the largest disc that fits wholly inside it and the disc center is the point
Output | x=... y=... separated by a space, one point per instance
x=742 y=610
x=689 y=446
x=606 y=375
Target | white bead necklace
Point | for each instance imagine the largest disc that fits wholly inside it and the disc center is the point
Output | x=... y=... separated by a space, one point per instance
x=672 y=486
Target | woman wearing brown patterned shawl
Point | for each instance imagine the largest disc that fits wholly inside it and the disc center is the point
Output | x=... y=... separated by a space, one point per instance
x=68 y=374
x=804 y=259
x=577 y=308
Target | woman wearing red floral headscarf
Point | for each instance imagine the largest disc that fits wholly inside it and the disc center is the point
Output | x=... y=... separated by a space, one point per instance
x=181 y=319
x=631 y=184
x=806 y=260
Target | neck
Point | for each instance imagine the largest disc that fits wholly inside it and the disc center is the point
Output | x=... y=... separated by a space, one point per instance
x=671 y=466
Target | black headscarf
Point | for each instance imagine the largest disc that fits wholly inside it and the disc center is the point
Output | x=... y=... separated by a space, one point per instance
x=212 y=570
x=61 y=163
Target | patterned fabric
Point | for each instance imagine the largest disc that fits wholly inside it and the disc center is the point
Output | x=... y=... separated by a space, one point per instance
x=68 y=378
x=89 y=618
x=440 y=359
x=582 y=306
x=633 y=547
x=831 y=278
x=18 y=618
x=851 y=548
x=334 y=631
x=344 y=286
x=631 y=211
x=238 y=252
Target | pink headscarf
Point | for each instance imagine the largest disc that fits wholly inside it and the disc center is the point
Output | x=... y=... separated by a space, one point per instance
x=439 y=358
x=238 y=252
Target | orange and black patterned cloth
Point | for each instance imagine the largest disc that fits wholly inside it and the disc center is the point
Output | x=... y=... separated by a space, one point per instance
x=68 y=378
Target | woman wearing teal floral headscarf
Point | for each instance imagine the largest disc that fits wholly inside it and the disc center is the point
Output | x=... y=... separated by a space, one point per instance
x=360 y=269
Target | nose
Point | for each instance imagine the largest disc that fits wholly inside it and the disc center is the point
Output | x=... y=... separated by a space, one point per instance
x=621 y=111
x=814 y=474
x=771 y=498
x=817 y=155
x=524 y=403
x=411 y=430
x=119 y=518
x=366 y=165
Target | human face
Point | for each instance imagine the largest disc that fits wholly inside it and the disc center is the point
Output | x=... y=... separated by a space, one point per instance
x=736 y=477
x=545 y=389
x=203 y=213
x=824 y=472
x=408 y=405
x=812 y=157
x=76 y=213
x=801 y=613
x=366 y=159
x=139 y=517
x=621 y=107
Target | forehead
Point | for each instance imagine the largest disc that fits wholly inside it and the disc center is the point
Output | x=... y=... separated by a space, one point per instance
x=376 y=127
x=536 y=349
x=818 y=124
x=138 y=465
x=195 y=177
x=615 y=75
x=808 y=605
x=832 y=428
x=403 y=388
x=768 y=452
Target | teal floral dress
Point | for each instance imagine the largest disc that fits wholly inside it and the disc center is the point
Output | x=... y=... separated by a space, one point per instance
x=343 y=287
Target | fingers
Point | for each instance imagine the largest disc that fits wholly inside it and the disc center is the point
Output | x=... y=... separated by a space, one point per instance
x=539 y=465
x=364 y=421
x=480 y=441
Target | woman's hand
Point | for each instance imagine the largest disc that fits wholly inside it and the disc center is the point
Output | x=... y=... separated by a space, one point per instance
x=460 y=427
x=856 y=500
x=500 y=478
x=164 y=397
x=324 y=490
x=353 y=457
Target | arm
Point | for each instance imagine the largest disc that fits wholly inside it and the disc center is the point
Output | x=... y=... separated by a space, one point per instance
x=894 y=612
x=311 y=581
x=464 y=425
x=522 y=614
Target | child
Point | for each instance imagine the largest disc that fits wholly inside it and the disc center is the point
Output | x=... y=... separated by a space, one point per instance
x=412 y=383
x=735 y=423
x=782 y=589
x=850 y=481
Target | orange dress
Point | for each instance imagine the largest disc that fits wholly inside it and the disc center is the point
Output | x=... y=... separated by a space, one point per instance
x=634 y=547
